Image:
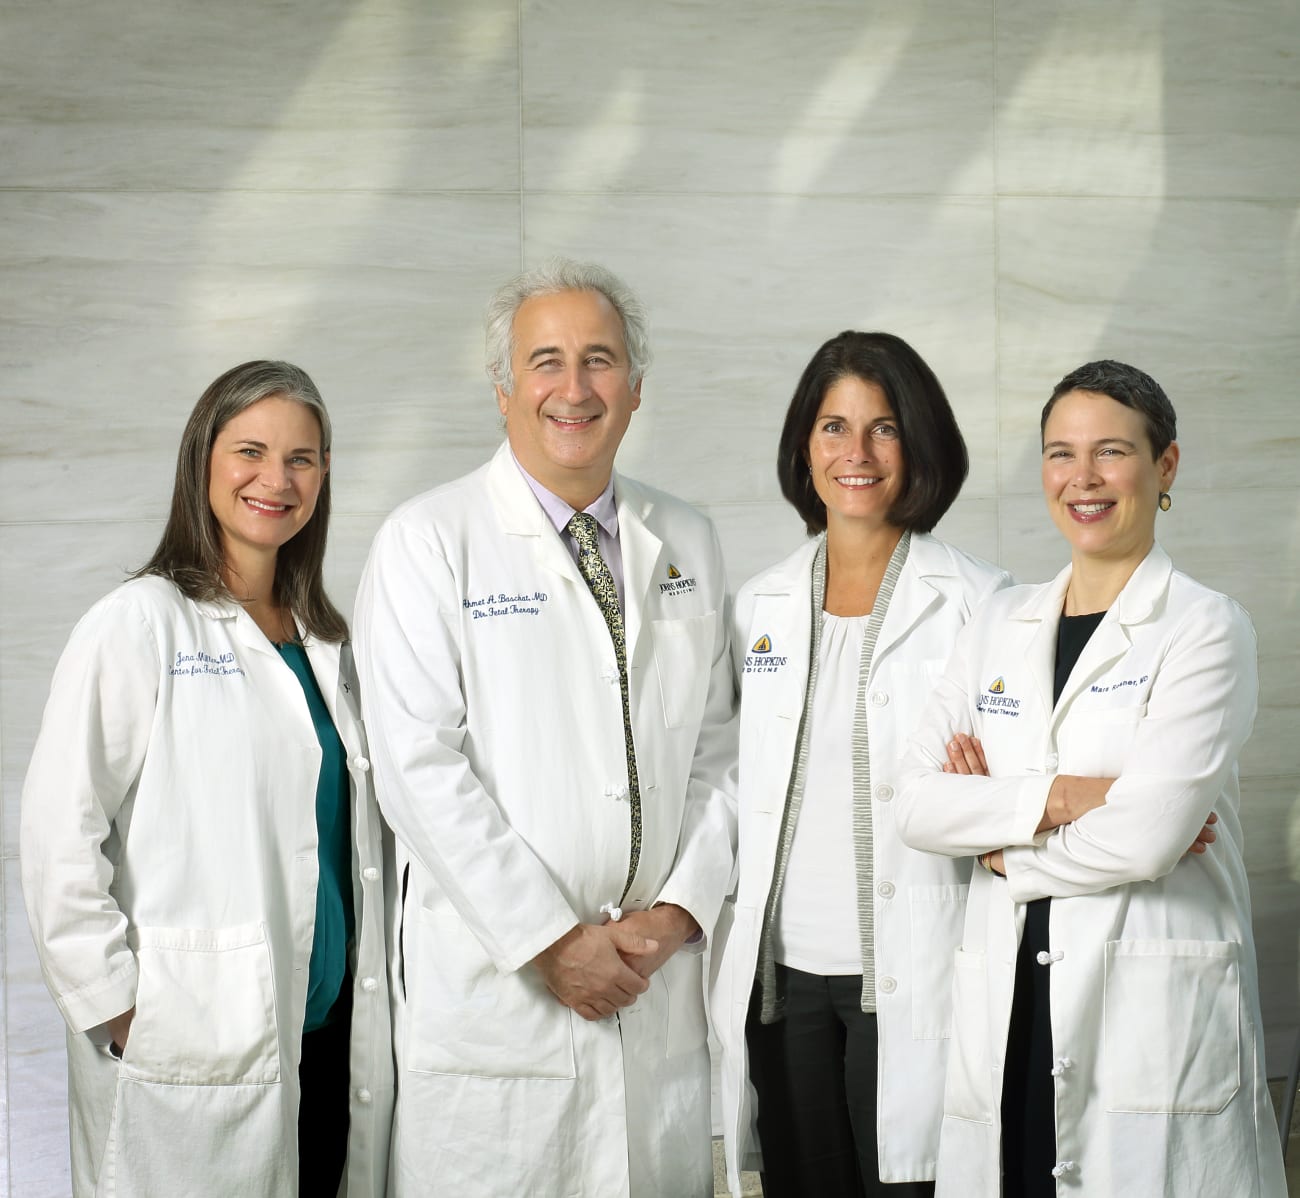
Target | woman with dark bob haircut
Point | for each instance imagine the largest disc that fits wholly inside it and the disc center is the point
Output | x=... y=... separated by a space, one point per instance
x=201 y=847
x=831 y=996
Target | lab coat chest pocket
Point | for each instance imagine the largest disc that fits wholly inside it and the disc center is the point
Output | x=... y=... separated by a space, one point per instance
x=1095 y=741
x=937 y=914
x=205 y=1008
x=1172 y=1026
x=466 y=1017
x=683 y=658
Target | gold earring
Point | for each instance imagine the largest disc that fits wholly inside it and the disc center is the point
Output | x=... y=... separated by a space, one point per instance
x=1166 y=501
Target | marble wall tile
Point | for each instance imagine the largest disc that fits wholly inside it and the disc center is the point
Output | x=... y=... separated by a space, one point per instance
x=1204 y=295
x=122 y=308
x=50 y=574
x=375 y=95
x=972 y=524
x=1270 y=816
x=38 y=1073
x=1147 y=98
x=754 y=535
x=758 y=97
x=5 y=866
x=742 y=290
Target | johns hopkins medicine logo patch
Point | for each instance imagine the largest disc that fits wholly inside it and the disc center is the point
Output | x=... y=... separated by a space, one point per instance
x=676 y=584
x=996 y=701
x=761 y=660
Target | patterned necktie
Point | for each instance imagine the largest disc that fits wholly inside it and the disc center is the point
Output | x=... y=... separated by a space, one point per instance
x=582 y=528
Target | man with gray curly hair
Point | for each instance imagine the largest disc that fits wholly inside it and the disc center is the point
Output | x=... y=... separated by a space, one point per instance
x=548 y=695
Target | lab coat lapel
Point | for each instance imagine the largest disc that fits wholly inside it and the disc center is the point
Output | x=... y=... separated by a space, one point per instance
x=1035 y=624
x=782 y=615
x=1112 y=639
x=641 y=550
x=918 y=590
x=521 y=515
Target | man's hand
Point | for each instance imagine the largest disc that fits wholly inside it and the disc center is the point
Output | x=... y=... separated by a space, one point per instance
x=587 y=970
x=119 y=1028
x=669 y=925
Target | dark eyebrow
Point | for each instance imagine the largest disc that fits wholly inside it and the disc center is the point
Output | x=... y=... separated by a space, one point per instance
x=1103 y=441
x=543 y=351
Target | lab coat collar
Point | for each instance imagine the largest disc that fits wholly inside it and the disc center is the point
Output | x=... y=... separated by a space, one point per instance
x=521 y=514
x=923 y=584
x=245 y=628
x=1041 y=611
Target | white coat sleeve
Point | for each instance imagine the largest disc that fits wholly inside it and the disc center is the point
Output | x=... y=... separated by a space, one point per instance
x=703 y=872
x=1200 y=711
x=961 y=815
x=89 y=752
x=409 y=662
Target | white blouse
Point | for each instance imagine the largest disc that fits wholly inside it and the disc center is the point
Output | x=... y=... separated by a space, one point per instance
x=816 y=929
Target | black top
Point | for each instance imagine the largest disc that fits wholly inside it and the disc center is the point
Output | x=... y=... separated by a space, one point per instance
x=1071 y=635
x=1028 y=1094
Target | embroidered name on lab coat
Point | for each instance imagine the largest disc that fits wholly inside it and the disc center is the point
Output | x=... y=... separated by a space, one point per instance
x=505 y=604
x=189 y=665
x=1098 y=689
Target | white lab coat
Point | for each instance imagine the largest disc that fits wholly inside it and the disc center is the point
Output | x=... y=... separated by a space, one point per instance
x=497 y=732
x=919 y=899
x=169 y=862
x=1160 y=1082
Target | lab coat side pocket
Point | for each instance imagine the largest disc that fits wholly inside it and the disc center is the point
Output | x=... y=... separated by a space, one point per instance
x=683 y=975
x=683 y=658
x=205 y=1008
x=968 y=1089
x=1172 y=1026
x=937 y=914
x=465 y=1017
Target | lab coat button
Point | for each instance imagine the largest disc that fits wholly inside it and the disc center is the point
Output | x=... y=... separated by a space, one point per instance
x=887 y=985
x=884 y=793
x=879 y=698
x=1062 y=1064
x=1052 y=761
x=369 y=984
x=885 y=890
x=364 y=1096
x=1046 y=958
x=1062 y=1168
x=360 y=763
x=370 y=874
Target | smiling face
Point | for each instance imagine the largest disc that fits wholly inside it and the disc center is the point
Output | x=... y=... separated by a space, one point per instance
x=571 y=402
x=855 y=453
x=1100 y=482
x=265 y=474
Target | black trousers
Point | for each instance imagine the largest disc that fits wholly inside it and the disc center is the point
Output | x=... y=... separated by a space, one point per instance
x=1028 y=1091
x=323 y=1076
x=815 y=1075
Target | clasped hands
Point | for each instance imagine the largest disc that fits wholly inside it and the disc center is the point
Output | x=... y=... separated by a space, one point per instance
x=597 y=969
x=1070 y=796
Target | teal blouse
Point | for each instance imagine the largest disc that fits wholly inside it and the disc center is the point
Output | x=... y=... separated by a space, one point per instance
x=335 y=919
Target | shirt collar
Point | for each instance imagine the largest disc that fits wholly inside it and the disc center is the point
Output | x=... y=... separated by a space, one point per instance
x=604 y=509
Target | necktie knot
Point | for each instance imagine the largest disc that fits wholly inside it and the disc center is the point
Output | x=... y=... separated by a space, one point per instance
x=585 y=532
